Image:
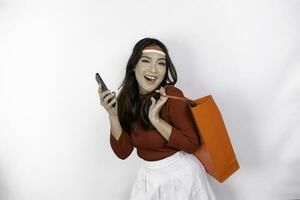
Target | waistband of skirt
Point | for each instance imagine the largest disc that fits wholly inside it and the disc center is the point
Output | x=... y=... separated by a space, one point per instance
x=163 y=162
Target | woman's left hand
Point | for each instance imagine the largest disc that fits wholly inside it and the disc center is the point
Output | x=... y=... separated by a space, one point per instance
x=156 y=106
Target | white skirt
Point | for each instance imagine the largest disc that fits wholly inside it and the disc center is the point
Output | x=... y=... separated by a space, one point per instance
x=177 y=177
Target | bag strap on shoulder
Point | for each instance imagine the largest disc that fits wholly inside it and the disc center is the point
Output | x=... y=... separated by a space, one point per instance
x=187 y=100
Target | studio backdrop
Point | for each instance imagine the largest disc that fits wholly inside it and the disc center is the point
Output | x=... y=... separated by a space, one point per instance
x=54 y=134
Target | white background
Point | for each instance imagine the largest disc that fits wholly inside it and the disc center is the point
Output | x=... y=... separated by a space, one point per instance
x=54 y=134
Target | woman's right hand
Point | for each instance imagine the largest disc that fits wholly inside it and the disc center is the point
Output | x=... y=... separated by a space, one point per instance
x=104 y=97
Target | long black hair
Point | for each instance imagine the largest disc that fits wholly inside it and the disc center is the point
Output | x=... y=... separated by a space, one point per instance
x=130 y=107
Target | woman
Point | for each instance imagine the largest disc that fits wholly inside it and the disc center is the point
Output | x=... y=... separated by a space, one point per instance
x=161 y=129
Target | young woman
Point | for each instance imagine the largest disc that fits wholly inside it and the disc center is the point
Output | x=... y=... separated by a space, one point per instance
x=161 y=129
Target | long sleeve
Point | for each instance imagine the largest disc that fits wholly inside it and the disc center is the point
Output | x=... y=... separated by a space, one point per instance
x=123 y=147
x=184 y=134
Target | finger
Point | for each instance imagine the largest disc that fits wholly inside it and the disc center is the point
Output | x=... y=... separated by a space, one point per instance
x=163 y=94
x=162 y=100
x=104 y=97
x=100 y=88
x=104 y=94
x=165 y=99
x=162 y=91
x=152 y=102
x=109 y=96
x=112 y=102
x=161 y=88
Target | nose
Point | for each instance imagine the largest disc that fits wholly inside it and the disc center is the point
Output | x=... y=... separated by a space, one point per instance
x=153 y=68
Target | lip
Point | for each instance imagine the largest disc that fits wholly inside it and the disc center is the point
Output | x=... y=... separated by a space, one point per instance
x=150 y=82
x=156 y=76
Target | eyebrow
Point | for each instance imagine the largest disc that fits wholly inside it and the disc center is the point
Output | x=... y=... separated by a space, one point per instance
x=150 y=58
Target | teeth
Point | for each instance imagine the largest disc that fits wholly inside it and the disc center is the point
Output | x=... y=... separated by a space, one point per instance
x=151 y=77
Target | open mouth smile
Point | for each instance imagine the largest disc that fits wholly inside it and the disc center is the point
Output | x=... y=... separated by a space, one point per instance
x=150 y=79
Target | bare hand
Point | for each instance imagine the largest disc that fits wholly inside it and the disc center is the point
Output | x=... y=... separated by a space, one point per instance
x=156 y=106
x=104 y=97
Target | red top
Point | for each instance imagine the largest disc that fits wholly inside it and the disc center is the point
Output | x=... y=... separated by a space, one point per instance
x=151 y=145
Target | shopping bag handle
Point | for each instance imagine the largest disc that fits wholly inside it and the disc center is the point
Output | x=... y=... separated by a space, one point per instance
x=189 y=101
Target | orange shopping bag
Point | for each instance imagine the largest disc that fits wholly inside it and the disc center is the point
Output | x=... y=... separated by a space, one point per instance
x=215 y=152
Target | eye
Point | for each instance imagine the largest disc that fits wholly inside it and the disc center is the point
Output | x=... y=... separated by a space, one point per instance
x=163 y=64
x=146 y=61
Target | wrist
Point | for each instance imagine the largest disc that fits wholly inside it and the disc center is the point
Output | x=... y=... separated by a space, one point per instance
x=155 y=121
x=113 y=116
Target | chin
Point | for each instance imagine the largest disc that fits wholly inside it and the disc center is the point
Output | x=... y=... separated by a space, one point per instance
x=150 y=88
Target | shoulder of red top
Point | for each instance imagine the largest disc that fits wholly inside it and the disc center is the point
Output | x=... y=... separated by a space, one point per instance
x=173 y=90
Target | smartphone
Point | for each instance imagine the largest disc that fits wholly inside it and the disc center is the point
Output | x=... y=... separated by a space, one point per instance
x=100 y=81
x=103 y=86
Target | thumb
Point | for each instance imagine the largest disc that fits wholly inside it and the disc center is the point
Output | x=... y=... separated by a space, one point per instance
x=163 y=100
x=152 y=101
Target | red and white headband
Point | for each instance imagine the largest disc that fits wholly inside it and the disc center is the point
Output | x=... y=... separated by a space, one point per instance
x=153 y=49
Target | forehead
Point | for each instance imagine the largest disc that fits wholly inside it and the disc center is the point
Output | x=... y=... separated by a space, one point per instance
x=153 y=56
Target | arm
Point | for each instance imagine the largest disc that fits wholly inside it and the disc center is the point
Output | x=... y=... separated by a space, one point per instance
x=120 y=141
x=163 y=128
x=183 y=133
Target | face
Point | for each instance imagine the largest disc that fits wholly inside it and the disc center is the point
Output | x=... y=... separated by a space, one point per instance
x=150 y=71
